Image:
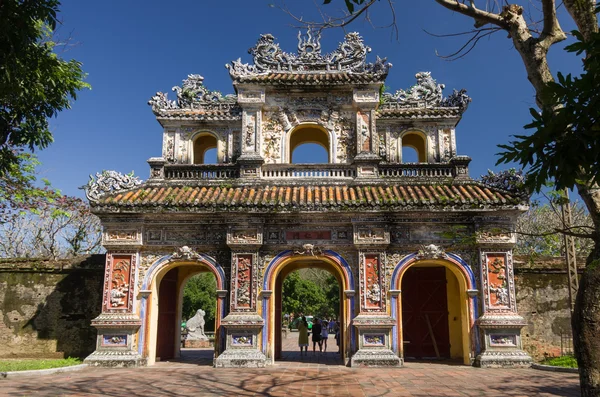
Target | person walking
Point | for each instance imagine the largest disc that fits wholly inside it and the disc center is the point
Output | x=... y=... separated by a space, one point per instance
x=337 y=335
x=316 y=334
x=324 y=334
x=303 y=335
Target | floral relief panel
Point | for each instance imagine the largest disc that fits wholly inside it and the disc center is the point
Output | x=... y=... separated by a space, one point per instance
x=498 y=288
x=372 y=284
x=243 y=282
x=118 y=294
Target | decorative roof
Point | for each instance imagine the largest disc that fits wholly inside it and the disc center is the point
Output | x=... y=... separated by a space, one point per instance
x=390 y=112
x=194 y=98
x=276 y=66
x=426 y=94
x=108 y=182
x=467 y=195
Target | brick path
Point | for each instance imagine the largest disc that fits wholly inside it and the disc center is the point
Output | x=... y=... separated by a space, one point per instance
x=313 y=376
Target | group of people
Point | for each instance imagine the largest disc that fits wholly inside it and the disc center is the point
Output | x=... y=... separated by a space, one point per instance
x=320 y=334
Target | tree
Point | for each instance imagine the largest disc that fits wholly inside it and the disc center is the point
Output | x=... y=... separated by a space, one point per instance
x=60 y=227
x=19 y=192
x=303 y=296
x=35 y=83
x=563 y=148
x=540 y=230
x=200 y=292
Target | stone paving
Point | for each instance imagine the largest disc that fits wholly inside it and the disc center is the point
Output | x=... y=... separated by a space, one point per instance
x=318 y=375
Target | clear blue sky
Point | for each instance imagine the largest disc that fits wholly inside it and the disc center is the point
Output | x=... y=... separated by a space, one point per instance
x=131 y=49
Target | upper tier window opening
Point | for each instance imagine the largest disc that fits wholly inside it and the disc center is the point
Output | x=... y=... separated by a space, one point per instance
x=414 y=147
x=205 y=149
x=309 y=144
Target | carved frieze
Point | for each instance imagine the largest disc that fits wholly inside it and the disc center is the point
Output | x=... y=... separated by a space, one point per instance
x=244 y=282
x=201 y=235
x=372 y=282
x=244 y=236
x=498 y=282
x=371 y=234
x=496 y=235
x=121 y=236
x=118 y=288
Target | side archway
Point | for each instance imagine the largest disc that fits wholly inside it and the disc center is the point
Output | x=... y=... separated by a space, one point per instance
x=466 y=303
x=191 y=263
x=288 y=261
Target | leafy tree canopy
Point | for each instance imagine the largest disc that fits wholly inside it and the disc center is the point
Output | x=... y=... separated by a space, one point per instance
x=566 y=134
x=200 y=292
x=35 y=83
x=303 y=294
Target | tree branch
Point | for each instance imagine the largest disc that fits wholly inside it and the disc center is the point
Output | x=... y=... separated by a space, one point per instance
x=582 y=12
x=551 y=33
x=481 y=17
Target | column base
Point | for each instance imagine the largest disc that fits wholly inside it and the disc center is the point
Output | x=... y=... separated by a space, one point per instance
x=115 y=359
x=375 y=358
x=503 y=359
x=241 y=359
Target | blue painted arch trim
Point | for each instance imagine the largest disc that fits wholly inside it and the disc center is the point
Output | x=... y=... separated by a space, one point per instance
x=150 y=273
x=268 y=275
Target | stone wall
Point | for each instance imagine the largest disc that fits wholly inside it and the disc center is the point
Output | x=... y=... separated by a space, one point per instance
x=46 y=306
x=543 y=300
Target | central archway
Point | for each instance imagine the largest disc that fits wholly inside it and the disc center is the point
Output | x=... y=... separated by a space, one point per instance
x=275 y=273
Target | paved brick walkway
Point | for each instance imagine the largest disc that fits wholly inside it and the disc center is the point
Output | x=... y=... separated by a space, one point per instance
x=317 y=375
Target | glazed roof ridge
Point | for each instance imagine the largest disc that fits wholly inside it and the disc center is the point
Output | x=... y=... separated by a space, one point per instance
x=468 y=194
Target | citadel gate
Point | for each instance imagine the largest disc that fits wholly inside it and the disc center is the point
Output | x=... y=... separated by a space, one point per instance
x=422 y=252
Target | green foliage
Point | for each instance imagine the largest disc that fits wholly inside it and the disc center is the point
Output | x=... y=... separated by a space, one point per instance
x=18 y=190
x=304 y=296
x=562 y=361
x=565 y=144
x=28 y=365
x=35 y=83
x=200 y=292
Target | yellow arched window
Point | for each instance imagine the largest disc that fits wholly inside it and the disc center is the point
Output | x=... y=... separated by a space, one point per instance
x=205 y=149
x=309 y=144
x=414 y=147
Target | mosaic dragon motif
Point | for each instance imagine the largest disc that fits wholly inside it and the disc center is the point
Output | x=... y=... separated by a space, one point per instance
x=108 y=182
x=192 y=94
x=350 y=56
x=427 y=93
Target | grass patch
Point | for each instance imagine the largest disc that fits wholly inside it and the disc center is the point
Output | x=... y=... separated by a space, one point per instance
x=563 y=361
x=26 y=365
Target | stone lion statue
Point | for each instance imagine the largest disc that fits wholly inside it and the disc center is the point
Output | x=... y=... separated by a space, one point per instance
x=195 y=326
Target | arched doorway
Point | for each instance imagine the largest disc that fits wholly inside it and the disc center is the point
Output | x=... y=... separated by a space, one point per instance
x=316 y=303
x=435 y=313
x=160 y=336
x=275 y=274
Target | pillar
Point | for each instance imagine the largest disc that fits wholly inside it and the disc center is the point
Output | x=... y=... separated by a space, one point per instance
x=373 y=323
x=500 y=324
x=243 y=323
x=118 y=323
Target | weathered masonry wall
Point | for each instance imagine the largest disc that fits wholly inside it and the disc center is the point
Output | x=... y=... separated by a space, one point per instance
x=543 y=300
x=46 y=306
